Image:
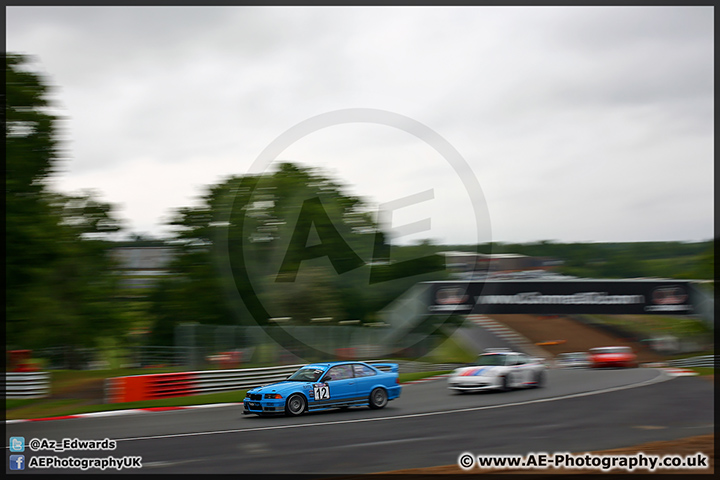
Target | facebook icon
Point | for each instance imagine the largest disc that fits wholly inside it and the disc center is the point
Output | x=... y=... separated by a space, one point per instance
x=17 y=462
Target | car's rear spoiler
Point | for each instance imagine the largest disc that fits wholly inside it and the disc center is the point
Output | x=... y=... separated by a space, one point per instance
x=387 y=367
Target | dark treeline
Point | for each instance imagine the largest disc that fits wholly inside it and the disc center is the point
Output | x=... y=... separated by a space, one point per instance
x=689 y=260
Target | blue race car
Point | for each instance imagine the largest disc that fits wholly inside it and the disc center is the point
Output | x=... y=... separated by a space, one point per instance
x=321 y=386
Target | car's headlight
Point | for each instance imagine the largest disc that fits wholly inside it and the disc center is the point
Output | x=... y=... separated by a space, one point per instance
x=273 y=396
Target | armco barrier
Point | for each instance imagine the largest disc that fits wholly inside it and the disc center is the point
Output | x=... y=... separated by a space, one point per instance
x=20 y=385
x=166 y=385
x=701 y=361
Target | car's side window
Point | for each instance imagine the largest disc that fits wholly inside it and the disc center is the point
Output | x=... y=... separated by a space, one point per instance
x=522 y=359
x=363 y=370
x=339 y=372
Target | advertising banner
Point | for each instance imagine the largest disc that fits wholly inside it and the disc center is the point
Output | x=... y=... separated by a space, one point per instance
x=566 y=297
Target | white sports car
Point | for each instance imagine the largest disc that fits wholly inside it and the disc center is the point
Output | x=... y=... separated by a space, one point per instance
x=501 y=370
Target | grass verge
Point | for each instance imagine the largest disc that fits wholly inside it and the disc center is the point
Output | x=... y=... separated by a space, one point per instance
x=658 y=325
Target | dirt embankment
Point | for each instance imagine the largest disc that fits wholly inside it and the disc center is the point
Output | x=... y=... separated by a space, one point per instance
x=571 y=335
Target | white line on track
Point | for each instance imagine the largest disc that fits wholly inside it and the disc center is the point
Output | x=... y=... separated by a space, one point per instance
x=662 y=377
x=388 y=442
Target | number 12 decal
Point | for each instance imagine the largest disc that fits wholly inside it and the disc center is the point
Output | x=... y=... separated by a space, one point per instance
x=322 y=392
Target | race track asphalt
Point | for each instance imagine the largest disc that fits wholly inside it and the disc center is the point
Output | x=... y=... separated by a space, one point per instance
x=577 y=411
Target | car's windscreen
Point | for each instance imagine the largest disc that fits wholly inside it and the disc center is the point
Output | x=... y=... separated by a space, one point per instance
x=573 y=356
x=610 y=350
x=306 y=375
x=490 y=360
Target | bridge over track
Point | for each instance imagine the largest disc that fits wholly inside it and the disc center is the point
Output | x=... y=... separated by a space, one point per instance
x=429 y=306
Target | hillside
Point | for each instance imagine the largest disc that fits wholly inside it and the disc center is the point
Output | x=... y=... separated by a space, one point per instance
x=571 y=335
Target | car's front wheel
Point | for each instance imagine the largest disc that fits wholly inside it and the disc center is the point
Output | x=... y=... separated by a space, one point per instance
x=378 y=398
x=295 y=405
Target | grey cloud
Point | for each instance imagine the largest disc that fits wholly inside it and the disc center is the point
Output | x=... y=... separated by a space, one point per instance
x=600 y=29
x=537 y=99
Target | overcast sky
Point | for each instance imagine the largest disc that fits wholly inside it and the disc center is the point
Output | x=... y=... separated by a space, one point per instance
x=578 y=123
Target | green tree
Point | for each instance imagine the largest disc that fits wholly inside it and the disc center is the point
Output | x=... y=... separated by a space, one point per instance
x=30 y=153
x=59 y=279
x=291 y=241
x=198 y=289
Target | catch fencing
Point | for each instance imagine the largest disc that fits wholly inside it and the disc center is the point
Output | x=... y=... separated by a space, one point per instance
x=21 y=385
x=202 y=345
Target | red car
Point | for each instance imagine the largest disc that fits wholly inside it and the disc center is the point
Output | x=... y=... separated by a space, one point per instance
x=612 y=357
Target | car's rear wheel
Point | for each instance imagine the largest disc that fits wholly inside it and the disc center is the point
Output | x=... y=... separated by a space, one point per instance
x=378 y=398
x=540 y=380
x=295 y=405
